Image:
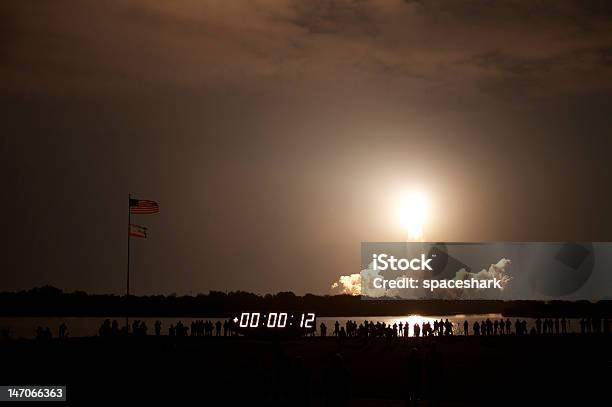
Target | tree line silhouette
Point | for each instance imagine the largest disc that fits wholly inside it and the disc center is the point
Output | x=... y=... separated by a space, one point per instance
x=52 y=301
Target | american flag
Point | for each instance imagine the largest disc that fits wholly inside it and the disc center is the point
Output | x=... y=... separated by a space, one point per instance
x=138 y=231
x=143 y=207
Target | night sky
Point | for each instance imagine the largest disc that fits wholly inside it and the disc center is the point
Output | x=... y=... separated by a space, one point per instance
x=277 y=135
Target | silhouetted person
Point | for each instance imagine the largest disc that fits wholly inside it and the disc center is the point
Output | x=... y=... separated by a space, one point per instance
x=105 y=328
x=336 y=383
x=595 y=326
x=158 y=326
x=323 y=330
x=539 y=326
x=218 y=328
x=551 y=325
x=417 y=330
x=563 y=326
x=336 y=328
x=115 y=328
x=63 y=330
x=180 y=329
x=448 y=327
x=517 y=327
x=476 y=328
x=508 y=326
x=587 y=323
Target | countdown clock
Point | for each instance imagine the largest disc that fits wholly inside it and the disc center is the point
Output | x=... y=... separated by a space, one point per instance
x=276 y=321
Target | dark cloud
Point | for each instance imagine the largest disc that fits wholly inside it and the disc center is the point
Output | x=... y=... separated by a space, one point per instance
x=335 y=17
x=122 y=45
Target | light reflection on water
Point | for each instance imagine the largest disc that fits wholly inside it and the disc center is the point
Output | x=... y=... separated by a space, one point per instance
x=26 y=327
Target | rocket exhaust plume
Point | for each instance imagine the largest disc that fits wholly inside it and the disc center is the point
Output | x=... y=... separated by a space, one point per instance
x=412 y=213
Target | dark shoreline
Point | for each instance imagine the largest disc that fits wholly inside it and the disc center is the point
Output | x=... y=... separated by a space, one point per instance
x=52 y=302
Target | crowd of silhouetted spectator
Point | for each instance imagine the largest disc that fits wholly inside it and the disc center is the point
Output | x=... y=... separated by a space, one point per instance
x=111 y=329
x=196 y=328
x=380 y=329
x=108 y=328
x=374 y=329
x=45 y=333
x=200 y=328
x=548 y=326
x=595 y=326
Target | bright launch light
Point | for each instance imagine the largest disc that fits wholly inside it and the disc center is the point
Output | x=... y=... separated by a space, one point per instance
x=412 y=213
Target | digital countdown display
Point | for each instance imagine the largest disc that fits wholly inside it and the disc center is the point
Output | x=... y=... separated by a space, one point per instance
x=296 y=322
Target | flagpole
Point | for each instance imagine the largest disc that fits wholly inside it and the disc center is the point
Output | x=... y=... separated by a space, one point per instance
x=127 y=297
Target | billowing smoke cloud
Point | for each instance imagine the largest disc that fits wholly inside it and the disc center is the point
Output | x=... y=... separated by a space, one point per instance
x=352 y=284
